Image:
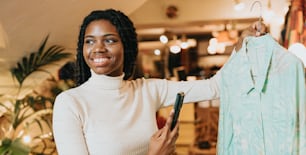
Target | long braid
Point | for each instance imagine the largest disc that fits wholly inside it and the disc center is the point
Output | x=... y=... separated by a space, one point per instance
x=128 y=36
x=83 y=70
x=125 y=29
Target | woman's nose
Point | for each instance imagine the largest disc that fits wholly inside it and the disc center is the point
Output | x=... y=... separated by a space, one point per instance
x=100 y=47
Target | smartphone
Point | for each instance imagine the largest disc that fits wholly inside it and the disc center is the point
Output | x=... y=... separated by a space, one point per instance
x=177 y=108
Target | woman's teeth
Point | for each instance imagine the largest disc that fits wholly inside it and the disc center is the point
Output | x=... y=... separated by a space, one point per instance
x=99 y=60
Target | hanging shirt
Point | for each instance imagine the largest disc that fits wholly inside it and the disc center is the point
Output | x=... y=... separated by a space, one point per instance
x=262 y=95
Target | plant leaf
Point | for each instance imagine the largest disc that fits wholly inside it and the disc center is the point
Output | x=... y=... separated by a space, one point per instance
x=38 y=59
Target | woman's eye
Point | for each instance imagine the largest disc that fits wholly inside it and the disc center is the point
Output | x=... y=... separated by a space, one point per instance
x=110 y=40
x=89 y=41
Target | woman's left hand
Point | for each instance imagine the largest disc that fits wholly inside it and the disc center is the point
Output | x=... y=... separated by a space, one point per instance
x=163 y=141
x=257 y=29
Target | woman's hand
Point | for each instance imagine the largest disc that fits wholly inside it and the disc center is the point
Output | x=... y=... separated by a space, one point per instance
x=257 y=29
x=163 y=141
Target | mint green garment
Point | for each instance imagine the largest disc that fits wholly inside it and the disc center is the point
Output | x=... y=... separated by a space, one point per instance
x=262 y=95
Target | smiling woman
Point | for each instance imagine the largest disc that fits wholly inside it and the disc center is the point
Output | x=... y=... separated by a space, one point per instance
x=106 y=107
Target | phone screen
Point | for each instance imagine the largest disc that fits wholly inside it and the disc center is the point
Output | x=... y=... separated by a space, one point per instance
x=177 y=108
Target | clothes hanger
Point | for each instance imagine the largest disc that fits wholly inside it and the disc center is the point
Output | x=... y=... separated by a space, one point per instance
x=260 y=15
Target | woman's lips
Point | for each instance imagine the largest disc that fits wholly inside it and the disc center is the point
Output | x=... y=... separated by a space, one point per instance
x=101 y=61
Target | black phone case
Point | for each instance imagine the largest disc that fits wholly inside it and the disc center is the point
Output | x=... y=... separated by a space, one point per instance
x=177 y=108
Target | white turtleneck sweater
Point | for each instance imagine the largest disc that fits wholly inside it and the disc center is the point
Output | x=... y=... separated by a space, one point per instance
x=111 y=116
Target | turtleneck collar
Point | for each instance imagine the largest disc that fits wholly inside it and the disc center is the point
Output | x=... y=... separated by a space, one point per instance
x=106 y=82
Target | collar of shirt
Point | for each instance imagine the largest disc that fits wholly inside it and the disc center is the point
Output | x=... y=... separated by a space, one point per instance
x=261 y=48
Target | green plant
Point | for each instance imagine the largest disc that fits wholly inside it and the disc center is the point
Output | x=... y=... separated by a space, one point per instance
x=31 y=113
x=37 y=60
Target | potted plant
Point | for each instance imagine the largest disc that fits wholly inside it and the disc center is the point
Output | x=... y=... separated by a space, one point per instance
x=30 y=112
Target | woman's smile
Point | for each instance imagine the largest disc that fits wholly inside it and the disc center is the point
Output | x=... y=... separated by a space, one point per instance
x=99 y=61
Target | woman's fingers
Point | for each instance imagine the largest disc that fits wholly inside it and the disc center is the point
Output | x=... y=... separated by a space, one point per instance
x=170 y=118
x=260 y=28
x=257 y=29
x=163 y=141
x=157 y=134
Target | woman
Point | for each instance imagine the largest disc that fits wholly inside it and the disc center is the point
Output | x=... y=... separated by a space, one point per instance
x=107 y=113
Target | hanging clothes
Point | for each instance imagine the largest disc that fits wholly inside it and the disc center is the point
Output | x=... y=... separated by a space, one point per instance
x=262 y=95
x=295 y=23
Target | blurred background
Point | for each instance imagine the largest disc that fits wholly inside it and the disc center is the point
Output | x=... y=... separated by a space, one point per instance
x=178 y=40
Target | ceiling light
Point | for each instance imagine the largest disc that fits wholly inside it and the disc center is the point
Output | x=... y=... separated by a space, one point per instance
x=221 y=48
x=228 y=37
x=176 y=45
x=163 y=39
x=26 y=139
x=215 y=47
x=213 y=41
x=212 y=49
x=157 y=52
x=184 y=45
x=175 y=49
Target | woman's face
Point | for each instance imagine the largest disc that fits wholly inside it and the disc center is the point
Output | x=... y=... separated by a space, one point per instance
x=103 y=49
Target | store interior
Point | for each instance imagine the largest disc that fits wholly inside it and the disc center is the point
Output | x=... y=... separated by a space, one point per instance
x=178 y=40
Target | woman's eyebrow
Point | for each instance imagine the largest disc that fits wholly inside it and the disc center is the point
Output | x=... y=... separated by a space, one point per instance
x=105 y=35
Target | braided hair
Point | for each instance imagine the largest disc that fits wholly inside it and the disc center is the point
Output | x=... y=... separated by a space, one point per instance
x=127 y=33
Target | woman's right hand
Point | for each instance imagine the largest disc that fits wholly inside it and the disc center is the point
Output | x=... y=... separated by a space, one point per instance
x=163 y=141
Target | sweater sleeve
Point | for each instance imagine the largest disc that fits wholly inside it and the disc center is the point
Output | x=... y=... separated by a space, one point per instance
x=67 y=127
x=195 y=91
